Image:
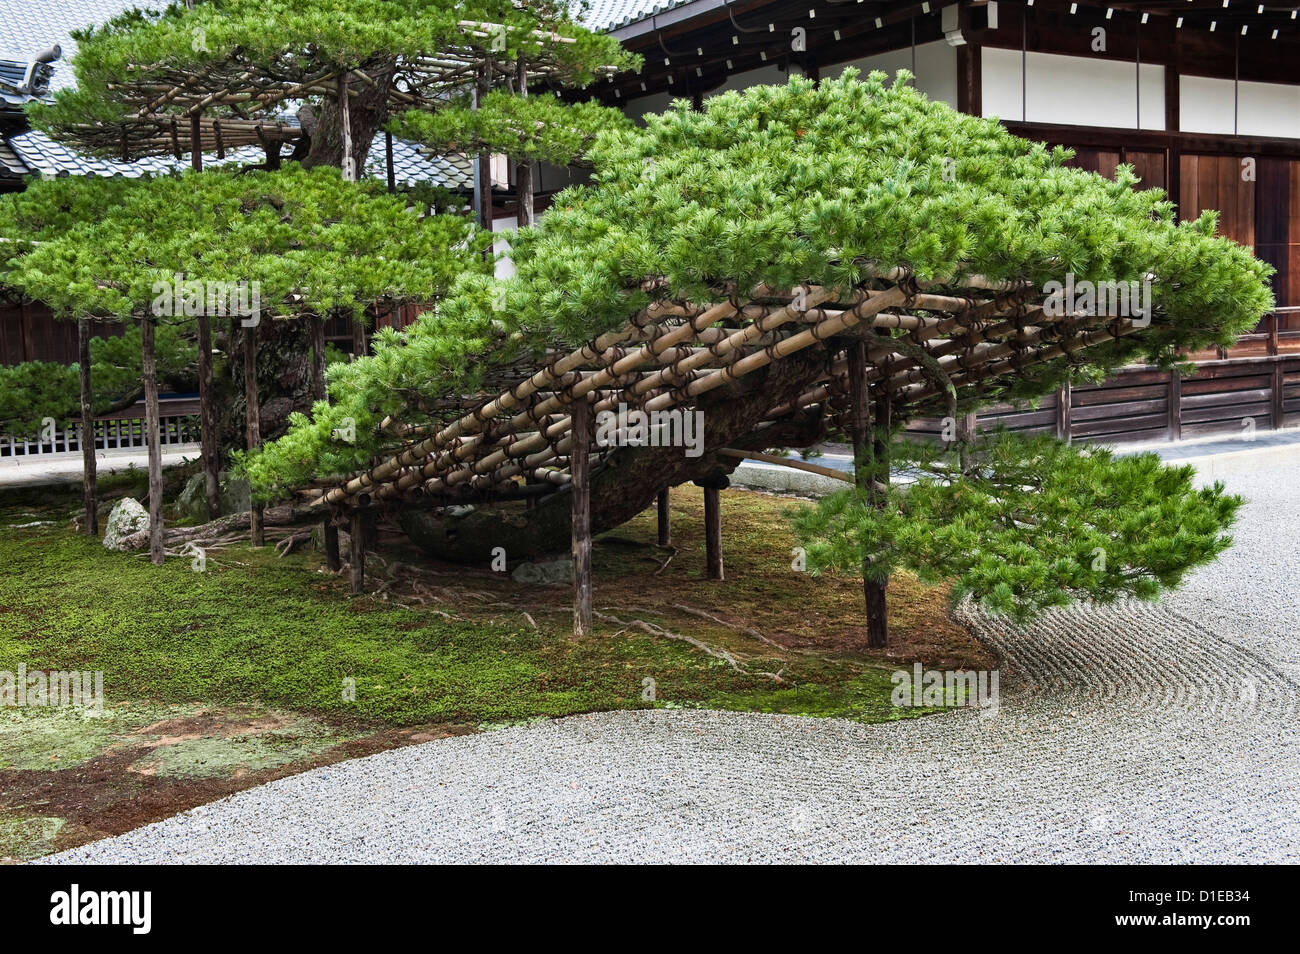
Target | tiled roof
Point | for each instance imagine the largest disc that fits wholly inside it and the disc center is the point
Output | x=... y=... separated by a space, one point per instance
x=11 y=167
x=29 y=26
x=611 y=14
x=411 y=165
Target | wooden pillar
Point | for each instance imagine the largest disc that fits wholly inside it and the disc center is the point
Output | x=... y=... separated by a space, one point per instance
x=208 y=417
x=713 y=531
x=1064 y=398
x=252 y=423
x=1175 y=401
x=149 y=369
x=580 y=502
x=665 y=524
x=867 y=471
x=388 y=161
x=1278 y=410
x=524 y=169
x=345 y=130
x=332 y=560
x=88 y=473
x=874 y=587
x=482 y=200
x=357 y=545
x=196 y=143
x=358 y=338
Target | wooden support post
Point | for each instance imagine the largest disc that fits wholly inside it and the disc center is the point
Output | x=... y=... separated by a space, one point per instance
x=252 y=422
x=874 y=588
x=388 y=161
x=482 y=202
x=208 y=417
x=345 y=130
x=1063 y=407
x=1175 y=401
x=87 y=430
x=196 y=143
x=1278 y=410
x=358 y=338
x=524 y=169
x=665 y=524
x=866 y=473
x=713 y=531
x=580 y=490
x=332 y=561
x=149 y=369
x=357 y=545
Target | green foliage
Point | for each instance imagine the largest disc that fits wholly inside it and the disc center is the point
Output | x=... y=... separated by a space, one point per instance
x=284 y=40
x=540 y=128
x=1027 y=524
x=796 y=183
x=35 y=390
x=313 y=242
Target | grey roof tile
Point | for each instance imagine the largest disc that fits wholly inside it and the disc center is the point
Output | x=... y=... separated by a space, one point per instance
x=611 y=14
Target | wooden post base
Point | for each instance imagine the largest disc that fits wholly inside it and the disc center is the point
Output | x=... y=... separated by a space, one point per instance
x=665 y=526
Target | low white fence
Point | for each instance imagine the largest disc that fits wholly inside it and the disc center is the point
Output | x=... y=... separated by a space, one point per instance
x=111 y=434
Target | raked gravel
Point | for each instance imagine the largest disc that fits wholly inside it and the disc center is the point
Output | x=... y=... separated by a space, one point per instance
x=1131 y=733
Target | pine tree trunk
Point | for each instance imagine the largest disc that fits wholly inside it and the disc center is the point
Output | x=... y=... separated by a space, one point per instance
x=208 y=419
x=150 y=373
x=87 y=431
x=367 y=110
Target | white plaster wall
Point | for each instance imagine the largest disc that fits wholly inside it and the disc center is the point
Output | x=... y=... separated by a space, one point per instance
x=1205 y=105
x=1072 y=90
x=936 y=68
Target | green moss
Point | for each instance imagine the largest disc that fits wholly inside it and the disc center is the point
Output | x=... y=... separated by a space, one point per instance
x=222 y=756
x=258 y=630
x=24 y=837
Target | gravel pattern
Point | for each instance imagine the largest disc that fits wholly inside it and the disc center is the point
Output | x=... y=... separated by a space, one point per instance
x=1129 y=733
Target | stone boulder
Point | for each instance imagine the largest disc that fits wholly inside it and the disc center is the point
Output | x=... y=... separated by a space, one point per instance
x=126 y=518
x=193 y=502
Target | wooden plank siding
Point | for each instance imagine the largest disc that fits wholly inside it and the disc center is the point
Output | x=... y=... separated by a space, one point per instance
x=30 y=332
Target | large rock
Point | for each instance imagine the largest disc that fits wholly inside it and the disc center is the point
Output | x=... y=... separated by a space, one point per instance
x=126 y=517
x=193 y=500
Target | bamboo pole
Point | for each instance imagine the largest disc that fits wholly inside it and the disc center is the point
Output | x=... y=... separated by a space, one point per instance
x=88 y=467
x=580 y=501
x=148 y=366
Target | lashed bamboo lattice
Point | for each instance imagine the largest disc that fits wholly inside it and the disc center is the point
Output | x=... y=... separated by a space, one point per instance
x=926 y=341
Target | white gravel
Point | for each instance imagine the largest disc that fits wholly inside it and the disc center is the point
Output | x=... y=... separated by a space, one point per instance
x=1132 y=733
